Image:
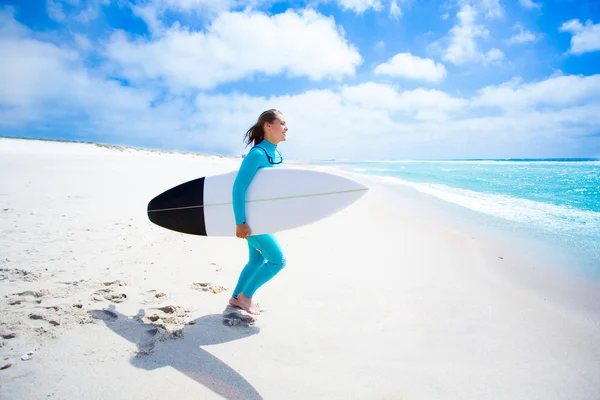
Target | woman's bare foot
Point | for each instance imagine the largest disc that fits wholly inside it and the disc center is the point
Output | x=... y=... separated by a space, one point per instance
x=244 y=303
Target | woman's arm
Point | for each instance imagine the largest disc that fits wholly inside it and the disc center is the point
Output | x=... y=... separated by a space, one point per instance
x=248 y=169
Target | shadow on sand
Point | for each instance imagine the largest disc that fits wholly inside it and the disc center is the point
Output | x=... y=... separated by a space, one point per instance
x=185 y=354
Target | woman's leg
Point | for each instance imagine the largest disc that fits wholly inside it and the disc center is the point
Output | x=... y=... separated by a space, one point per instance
x=270 y=249
x=255 y=260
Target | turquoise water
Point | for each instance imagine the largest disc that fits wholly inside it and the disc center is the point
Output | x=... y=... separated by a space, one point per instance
x=556 y=200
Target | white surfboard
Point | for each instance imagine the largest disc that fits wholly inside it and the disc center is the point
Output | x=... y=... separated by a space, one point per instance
x=277 y=199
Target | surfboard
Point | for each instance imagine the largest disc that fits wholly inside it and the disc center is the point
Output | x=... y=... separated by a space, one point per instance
x=277 y=199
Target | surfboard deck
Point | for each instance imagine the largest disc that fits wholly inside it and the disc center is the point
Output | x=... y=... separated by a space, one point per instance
x=277 y=199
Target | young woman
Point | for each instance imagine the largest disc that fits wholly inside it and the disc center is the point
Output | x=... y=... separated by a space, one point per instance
x=266 y=258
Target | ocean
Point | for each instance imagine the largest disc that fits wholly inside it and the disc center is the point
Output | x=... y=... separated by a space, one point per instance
x=555 y=200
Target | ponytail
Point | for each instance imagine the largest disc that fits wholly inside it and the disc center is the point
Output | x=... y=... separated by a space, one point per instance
x=256 y=133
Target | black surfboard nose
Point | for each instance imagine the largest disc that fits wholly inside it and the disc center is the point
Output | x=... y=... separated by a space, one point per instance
x=180 y=208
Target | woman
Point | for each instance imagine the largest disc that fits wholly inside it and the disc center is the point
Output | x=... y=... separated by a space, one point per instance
x=266 y=258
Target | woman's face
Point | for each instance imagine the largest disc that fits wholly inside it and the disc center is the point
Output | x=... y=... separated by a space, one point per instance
x=276 y=131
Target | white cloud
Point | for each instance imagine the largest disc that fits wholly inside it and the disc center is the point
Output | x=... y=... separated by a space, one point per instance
x=371 y=96
x=490 y=8
x=360 y=6
x=47 y=85
x=530 y=4
x=429 y=123
x=189 y=5
x=9 y=27
x=343 y=122
x=151 y=16
x=419 y=103
x=395 y=11
x=494 y=55
x=210 y=7
x=55 y=10
x=558 y=91
x=82 y=42
x=82 y=11
x=586 y=38
x=431 y=104
x=412 y=67
x=462 y=48
x=523 y=36
x=152 y=12
x=236 y=46
x=36 y=71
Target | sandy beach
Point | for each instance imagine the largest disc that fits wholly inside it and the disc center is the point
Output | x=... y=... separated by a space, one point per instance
x=384 y=300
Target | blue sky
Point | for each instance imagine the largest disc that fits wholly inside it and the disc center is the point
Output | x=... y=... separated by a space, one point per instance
x=356 y=79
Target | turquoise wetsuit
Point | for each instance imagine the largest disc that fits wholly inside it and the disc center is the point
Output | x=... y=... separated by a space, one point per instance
x=266 y=258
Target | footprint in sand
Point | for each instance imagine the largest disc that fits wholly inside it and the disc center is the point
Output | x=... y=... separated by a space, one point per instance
x=104 y=315
x=109 y=293
x=50 y=315
x=147 y=341
x=155 y=296
x=233 y=316
x=40 y=312
x=208 y=287
x=170 y=318
x=48 y=319
x=7 y=334
x=115 y=283
x=74 y=283
x=17 y=274
x=29 y=296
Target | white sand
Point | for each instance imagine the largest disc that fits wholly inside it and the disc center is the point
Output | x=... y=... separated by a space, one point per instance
x=377 y=302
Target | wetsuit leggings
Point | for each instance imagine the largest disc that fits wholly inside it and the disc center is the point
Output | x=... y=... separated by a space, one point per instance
x=265 y=260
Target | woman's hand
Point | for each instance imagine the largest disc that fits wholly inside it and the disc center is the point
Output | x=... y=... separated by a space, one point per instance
x=242 y=231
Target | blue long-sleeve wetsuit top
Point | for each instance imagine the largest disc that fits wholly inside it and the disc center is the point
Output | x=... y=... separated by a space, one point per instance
x=254 y=160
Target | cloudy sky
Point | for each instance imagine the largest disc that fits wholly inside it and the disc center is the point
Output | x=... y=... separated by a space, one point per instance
x=356 y=79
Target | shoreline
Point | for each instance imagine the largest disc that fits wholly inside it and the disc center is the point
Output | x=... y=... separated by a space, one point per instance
x=528 y=261
x=457 y=215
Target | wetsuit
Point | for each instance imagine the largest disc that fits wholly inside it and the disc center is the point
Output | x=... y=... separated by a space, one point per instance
x=265 y=256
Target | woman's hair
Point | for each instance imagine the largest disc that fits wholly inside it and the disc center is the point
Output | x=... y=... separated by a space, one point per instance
x=256 y=134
